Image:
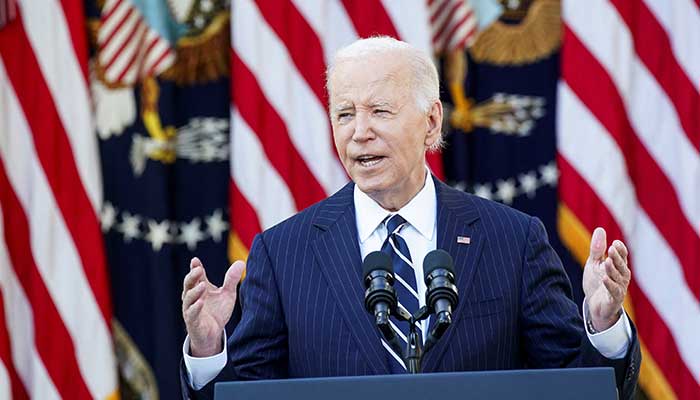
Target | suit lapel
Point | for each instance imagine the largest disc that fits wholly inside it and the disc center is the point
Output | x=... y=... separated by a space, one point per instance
x=338 y=255
x=456 y=216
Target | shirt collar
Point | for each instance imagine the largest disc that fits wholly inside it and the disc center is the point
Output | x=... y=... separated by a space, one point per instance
x=420 y=212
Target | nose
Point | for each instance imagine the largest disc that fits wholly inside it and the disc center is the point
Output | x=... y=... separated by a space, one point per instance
x=363 y=128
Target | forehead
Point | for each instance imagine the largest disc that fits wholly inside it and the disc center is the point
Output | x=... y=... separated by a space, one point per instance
x=374 y=79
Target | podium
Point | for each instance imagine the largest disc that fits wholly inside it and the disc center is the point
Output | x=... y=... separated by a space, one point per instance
x=543 y=384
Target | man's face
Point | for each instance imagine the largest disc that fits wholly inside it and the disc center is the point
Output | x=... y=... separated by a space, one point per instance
x=380 y=134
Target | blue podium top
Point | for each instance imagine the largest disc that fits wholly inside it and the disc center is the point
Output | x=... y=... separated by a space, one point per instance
x=570 y=384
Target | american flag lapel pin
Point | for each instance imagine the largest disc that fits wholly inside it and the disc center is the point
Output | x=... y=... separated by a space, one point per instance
x=464 y=239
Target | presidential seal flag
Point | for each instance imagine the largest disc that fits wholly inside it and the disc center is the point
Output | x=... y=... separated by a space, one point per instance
x=160 y=83
x=628 y=131
x=500 y=106
x=55 y=312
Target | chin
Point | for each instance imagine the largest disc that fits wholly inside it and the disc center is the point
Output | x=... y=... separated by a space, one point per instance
x=371 y=185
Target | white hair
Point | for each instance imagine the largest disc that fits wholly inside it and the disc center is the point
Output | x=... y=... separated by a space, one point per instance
x=424 y=80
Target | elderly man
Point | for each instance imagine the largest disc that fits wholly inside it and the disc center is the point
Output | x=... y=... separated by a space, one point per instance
x=301 y=304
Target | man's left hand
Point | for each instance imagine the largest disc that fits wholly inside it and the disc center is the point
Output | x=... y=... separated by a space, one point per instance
x=605 y=280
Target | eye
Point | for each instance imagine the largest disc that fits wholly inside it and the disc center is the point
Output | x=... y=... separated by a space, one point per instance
x=344 y=116
x=381 y=111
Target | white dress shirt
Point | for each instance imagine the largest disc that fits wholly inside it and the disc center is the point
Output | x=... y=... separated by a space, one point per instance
x=420 y=236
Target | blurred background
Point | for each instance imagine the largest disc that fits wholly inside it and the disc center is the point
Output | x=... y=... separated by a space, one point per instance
x=136 y=134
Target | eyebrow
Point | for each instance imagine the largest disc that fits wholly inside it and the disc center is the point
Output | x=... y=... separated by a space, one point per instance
x=380 y=104
x=342 y=107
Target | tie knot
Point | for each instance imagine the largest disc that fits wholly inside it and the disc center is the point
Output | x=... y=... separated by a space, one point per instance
x=394 y=224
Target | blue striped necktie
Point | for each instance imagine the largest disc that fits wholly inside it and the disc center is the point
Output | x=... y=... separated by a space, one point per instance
x=405 y=284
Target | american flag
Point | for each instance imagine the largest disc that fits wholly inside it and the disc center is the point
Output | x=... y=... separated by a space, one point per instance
x=128 y=47
x=55 y=311
x=629 y=153
x=453 y=24
x=283 y=158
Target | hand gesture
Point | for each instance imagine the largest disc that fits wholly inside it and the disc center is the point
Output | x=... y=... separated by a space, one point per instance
x=605 y=280
x=206 y=308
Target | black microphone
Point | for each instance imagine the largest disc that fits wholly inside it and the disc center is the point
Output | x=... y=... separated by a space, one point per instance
x=380 y=296
x=441 y=292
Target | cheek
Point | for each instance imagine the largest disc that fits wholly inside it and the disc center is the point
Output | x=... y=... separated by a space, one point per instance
x=341 y=141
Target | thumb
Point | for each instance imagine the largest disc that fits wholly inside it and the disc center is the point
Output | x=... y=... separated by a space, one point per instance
x=598 y=244
x=233 y=276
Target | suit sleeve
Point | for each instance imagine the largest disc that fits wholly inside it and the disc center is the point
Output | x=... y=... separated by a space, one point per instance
x=257 y=346
x=553 y=334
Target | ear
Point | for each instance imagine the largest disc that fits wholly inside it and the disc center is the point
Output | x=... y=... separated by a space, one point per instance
x=434 y=120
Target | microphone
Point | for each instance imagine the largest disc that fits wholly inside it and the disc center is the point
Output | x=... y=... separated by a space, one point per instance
x=441 y=292
x=380 y=296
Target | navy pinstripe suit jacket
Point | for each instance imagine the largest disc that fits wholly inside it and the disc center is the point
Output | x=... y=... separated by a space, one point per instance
x=302 y=302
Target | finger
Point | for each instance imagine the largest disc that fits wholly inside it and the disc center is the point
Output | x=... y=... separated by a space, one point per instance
x=192 y=313
x=195 y=262
x=192 y=296
x=613 y=273
x=615 y=290
x=598 y=244
x=615 y=256
x=191 y=279
x=619 y=262
x=233 y=276
x=621 y=248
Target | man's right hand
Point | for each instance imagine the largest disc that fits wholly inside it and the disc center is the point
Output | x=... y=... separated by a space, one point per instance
x=206 y=308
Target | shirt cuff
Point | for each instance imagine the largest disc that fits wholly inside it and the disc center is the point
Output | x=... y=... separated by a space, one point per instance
x=612 y=342
x=201 y=370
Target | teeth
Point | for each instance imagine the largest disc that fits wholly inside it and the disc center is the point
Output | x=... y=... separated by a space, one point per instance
x=370 y=161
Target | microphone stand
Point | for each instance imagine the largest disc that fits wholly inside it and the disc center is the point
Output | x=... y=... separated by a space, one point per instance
x=415 y=350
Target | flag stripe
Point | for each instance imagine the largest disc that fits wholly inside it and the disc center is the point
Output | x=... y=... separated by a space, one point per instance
x=245 y=221
x=288 y=93
x=257 y=180
x=443 y=40
x=56 y=157
x=648 y=109
x=273 y=136
x=114 y=47
x=448 y=21
x=108 y=9
x=63 y=368
x=75 y=21
x=125 y=42
x=44 y=28
x=654 y=49
x=10 y=385
x=302 y=43
x=159 y=59
x=370 y=18
x=645 y=173
x=112 y=38
x=27 y=361
x=592 y=212
x=681 y=20
x=329 y=22
x=410 y=18
x=137 y=57
x=55 y=253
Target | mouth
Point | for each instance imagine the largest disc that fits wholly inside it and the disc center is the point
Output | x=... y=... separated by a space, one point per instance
x=369 y=160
